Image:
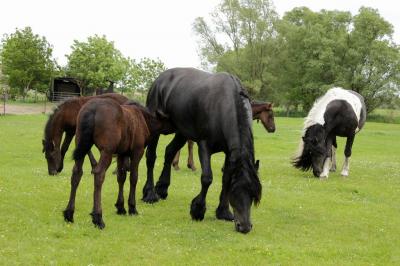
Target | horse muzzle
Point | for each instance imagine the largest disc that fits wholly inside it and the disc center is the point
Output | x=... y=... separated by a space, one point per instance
x=243 y=228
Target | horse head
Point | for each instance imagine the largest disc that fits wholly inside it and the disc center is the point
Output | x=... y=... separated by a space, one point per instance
x=245 y=189
x=264 y=113
x=314 y=150
x=53 y=156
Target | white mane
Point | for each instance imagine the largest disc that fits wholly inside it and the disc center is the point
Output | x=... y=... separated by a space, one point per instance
x=316 y=114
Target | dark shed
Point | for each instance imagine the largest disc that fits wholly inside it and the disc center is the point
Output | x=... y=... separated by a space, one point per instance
x=63 y=88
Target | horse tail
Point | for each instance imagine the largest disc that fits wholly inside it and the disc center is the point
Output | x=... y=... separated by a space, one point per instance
x=85 y=129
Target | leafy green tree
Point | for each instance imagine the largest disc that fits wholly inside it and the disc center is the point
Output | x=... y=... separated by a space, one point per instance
x=331 y=48
x=95 y=62
x=241 y=40
x=26 y=60
x=141 y=74
x=371 y=62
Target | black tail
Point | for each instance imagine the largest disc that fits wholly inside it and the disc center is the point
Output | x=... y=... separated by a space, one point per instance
x=86 y=128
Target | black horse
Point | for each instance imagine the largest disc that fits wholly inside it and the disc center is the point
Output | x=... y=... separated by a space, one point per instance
x=214 y=111
x=338 y=113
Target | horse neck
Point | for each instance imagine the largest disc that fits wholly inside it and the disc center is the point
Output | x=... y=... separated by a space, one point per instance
x=256 y=110
x=153 y=124
x=54 y=128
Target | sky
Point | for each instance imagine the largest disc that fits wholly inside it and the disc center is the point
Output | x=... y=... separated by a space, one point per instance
x=147 y=28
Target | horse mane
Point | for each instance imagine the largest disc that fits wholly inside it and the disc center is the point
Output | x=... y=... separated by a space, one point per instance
x=245 y=161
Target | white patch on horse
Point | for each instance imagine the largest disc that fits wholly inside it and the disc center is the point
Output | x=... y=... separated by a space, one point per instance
x=316 y=114
x=346 y=167
x=325 y=169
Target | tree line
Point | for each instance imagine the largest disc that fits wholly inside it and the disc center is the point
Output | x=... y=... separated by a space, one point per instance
x=290 y=60
x=27 y=63
x=294 y=59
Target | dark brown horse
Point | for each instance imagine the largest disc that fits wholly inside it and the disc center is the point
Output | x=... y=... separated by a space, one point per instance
x=114 y=129
x=63 y=120
x=261 y=111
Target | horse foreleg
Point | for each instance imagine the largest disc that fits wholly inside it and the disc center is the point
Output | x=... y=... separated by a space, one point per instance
x=347 y=154
x=75 y=179
x=327 y=162
x=165 y=178
x=198 y=206
x=135 y=159
x=121 y=177
x=149 y=194
x=99 y=175
x=334 y=147
x=175 y=162
x=64 y=148
x=223 y=212
x=190 y=163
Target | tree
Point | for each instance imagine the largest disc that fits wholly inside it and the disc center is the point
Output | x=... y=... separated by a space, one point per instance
x=95 y=62
x=248 y=29
x=141 y=74
x=26 y=60
x=331 y=48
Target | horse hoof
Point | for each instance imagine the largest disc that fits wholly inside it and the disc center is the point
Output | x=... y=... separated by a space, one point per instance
x=133 y=211
x=150 y=197
x=197 y=210
x=191 y=167
x=120 y=209
x=333 y=169
x=224 y=214
x=176 y=167
x=162 y=191
x=97 y=220
x=68 y=216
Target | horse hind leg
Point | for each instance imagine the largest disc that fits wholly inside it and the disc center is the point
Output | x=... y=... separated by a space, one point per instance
x=134 y=168
x=190 y=163
x=75 y=179
x=347 y=153
x=99 y=175
x=175 y=162
x=121 y=177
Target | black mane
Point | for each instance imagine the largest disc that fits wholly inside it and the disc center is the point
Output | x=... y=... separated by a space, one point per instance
x=243 y=172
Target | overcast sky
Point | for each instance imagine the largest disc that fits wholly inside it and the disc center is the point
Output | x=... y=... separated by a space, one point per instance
x=146 y=28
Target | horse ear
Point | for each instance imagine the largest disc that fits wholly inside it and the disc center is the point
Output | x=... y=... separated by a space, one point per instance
x=268 y=106
x=257 y=165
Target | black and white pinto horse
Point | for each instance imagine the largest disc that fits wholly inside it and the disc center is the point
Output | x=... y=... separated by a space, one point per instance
x=340 y=113
x=214 y=111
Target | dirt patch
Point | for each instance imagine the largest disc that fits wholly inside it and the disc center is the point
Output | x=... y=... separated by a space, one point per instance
x=26 y=109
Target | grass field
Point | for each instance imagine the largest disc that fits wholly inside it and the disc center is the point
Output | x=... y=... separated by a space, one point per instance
x=300 y=221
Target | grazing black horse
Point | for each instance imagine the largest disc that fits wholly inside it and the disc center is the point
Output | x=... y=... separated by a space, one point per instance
x=338 y=113
x=214 y=111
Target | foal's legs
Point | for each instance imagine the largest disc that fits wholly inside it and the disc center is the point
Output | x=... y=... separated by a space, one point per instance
x=149 y=194
x=135 y=159
x=121 y=176
x=198 y=206
x=64 y=147
x=190 y=163
x=165 y=178
x=223 y=212
x=75 y=179
x=99 y=175
x=347 y=153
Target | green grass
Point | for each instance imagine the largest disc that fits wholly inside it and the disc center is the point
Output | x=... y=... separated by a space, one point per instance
x=300 y=221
